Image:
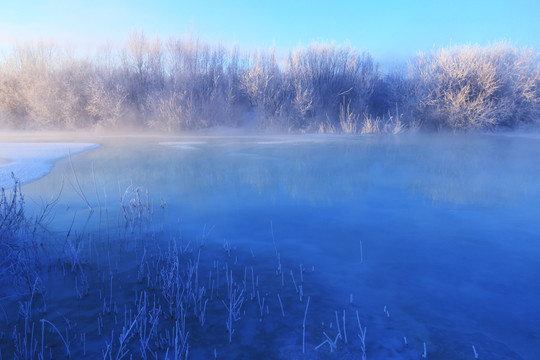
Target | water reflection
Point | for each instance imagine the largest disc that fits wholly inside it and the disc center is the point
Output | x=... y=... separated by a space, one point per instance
x=481 y=170
x=448 y=223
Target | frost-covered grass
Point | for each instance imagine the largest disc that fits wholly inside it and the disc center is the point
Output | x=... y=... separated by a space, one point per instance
x=138 y=295
x=19 y=234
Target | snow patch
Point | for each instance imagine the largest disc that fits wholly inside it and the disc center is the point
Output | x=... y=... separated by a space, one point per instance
x=32 y=161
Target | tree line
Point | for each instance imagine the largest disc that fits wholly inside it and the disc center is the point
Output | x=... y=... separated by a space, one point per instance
x=187 y=84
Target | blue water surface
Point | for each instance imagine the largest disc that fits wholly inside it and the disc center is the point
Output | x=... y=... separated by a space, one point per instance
x=441 y=231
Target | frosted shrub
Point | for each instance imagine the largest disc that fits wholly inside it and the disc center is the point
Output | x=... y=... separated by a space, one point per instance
x=18 y=252
x=348 y=119
x=322 y=77
x=105 y=102
x=468 y=87
x=371 y=125
x=263 y=84
x=12 y=217
x=186 y=84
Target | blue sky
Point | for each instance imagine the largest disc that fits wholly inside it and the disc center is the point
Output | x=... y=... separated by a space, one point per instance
x=387 y=29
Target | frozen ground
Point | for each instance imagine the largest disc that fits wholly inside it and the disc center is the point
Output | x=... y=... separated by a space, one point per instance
x=31 y=161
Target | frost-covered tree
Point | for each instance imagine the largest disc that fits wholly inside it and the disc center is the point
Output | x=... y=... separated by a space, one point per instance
x=202 y=88
x=263 y=83
x=143 y=72
x=322 y=77
x=187 y=84
x=33 y=82
x=44 y=85
x=469 y=87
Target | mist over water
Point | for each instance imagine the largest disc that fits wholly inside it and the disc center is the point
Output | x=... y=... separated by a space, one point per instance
x=441 y=230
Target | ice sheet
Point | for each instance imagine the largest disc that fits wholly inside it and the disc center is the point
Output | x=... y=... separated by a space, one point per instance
x=31 y=161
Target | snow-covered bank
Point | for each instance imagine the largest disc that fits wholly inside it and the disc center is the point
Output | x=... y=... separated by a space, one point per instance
x=30 y=161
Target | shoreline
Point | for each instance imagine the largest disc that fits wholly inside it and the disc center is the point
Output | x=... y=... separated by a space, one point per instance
x=31 y=161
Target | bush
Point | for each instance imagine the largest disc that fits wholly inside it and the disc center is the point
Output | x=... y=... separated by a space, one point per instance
x=18 y=249
x=469 y=87
x=187 y=84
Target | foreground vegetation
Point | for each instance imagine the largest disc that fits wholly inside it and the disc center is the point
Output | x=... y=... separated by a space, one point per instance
x=125 y=292
x=185 y=84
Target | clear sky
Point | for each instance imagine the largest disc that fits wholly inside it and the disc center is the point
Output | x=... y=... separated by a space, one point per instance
x=388 y=29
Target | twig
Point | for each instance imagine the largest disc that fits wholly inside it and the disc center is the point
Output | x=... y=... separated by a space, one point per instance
x=304 y=327
x=294 y=282
x=281 y=304
x=95 y=186
x=362 y=336
x=79 y=191
x=344 y=328
x=475 y=353
x=64 y=340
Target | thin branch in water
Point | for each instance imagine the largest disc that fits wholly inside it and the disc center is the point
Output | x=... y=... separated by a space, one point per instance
x=79 y=189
